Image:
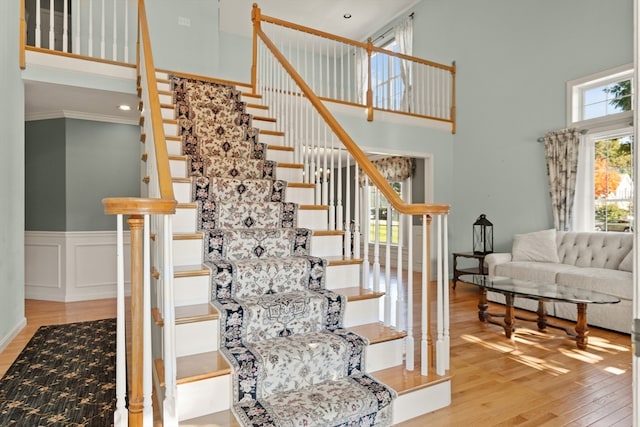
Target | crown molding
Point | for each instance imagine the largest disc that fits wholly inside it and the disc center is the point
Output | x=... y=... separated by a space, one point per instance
x=67 y=114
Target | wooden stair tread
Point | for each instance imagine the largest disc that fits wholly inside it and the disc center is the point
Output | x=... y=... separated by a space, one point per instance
x=328 y=232
x=184 y=180
x=280 y=148
x=170 y=121
x=377 y=332
x=272 y=132
x=167 y=106
x=196 y=367
x=195 y=313
x=257 y=106
x=178 y=157
x=358 y=293
x=313 y=207
x=189 y=205
x=301 y=185
x=264 y=119
x=342 y=260
x=187 y=236
x=290 y=165
x=190 y=270
x=173 y=137
x=403 y=381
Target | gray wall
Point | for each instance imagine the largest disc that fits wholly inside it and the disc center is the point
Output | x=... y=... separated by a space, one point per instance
x=71 y=165
x=11 y=175
x=514 y=59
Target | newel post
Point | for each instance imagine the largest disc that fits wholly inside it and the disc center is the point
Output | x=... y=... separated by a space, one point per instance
x=136 y=395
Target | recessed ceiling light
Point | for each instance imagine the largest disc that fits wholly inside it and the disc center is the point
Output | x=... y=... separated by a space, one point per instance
x=347 y=15
x=124 y=107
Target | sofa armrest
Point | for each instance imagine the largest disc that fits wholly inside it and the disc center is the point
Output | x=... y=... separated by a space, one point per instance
x=494 y=259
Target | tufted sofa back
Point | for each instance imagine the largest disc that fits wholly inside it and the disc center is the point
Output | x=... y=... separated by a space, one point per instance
x=595 y=249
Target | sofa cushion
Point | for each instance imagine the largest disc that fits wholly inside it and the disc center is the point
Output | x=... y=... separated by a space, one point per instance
x=613 y=282
x=594 y=249
x=544 y=272
x=627 y=262
x=539 y=246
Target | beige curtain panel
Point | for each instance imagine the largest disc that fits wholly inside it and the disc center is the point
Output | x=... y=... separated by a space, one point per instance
x=394 y=169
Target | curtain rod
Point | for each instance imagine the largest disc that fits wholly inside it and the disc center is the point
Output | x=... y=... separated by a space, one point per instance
x=582 y=132
x=384 y=34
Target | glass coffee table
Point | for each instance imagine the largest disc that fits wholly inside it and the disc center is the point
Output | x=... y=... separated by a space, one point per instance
x=541 y=292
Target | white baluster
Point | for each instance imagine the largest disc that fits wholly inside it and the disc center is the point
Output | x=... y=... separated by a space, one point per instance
x=445 y=299
x=424 y=347
x=126 y=31
x=52 y=34
x=409 y=342
x=65 y=26
x=388 y=296
x=77 y=12
x=38 y=26
x=366 y=283
x=90 y=40
x=169 y=408
x=147 y=384
x=357 y=212
x=114 y=46
x=400 y=300
x=376 y=242
x=346 y=225
x=102 y=33
x=332 y=187
x=121 y=415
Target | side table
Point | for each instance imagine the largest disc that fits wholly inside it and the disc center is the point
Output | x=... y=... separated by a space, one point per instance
x=457 y=272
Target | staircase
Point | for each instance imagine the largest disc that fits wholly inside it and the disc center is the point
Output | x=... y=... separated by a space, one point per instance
x=213 y=220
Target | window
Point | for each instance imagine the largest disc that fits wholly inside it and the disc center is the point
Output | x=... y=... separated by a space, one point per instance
x=601 y=105
x=386 y=79
x=387 y=222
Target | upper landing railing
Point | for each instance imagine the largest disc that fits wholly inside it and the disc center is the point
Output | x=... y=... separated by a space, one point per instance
x=364 y=75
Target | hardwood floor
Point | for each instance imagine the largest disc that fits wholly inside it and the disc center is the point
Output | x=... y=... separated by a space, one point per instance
x=533 y=379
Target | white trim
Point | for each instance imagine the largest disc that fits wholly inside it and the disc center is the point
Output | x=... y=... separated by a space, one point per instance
x=72 y=266
x=80 y=116
x=6 y=340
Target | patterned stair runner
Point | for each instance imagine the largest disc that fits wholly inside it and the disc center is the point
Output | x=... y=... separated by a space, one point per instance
x=281 y=329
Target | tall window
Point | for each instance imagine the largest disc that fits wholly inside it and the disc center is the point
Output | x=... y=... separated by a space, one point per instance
x=601 y=106
x=386 y=79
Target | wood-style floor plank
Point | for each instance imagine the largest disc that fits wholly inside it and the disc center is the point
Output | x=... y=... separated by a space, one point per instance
x=533 y=379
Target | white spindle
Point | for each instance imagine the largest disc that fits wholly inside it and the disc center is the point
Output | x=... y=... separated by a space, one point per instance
x=77 y=12
x=90 y=40
x=52 y=34
x=346 y=225
x=169 y=408
x=114 y=46
x=366 y=196
x=358 y=212
x=147 y=383
x=325 y=172
x=332 y=187
x=445 y=293
x=376 y=240
x=102 y=32
x=38 y=26
x=65 y=26
x=409 y=357
x=400 y=299
x=424 y=344
x=339 y=208
x=388 y=294
x=121 y=415
x=126 y=31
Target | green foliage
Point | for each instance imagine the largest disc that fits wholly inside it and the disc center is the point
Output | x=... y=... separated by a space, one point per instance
x=617 y=152
x=622 y=95
x=610 y=213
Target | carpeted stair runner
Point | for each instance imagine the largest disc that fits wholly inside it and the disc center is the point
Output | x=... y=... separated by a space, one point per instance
x=281 y=329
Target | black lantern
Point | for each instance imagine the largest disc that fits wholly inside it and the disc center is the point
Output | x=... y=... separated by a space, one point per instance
x=482 y=236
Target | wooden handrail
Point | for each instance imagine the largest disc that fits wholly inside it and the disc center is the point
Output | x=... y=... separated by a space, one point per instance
x=162 y=157
x=363 y=45
x=365 y=164
x=138 y=206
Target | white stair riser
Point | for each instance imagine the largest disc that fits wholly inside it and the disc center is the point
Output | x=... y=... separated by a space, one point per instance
x=343 y=276
x=312 y=219
x=263 y=125
x=303 y=196
x=184 y=221
x=362 y=312
x=196 y=337
x=168 y=113
x=166 y=98
x=182 y=192
x=164 y=86
x=289 y=174
x=161 y=75
x=326 y=246
x=282 y=156
x=421 y=401
x=244 y=89
x=385 y=355
x=178 y=168
x=263 y=112
x=271 y=139
x=191 y=290
x=170 y=129
x=199 y=398
x=174 y=148
x=187 y=252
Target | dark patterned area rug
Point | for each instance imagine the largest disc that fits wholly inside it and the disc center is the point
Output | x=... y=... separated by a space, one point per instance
x=65 y=376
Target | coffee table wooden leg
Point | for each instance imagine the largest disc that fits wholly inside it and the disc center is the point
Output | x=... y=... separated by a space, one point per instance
x=483 y=305
x=542 y=316
x=581 y=326
x=509 y=315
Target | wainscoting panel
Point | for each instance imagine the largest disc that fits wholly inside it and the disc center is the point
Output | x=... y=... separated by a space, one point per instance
x=73 y=266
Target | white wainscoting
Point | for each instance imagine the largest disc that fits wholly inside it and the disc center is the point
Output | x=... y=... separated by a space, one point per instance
x=73 y=266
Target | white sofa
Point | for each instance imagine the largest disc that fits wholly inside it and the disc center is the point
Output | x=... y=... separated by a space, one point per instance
x=600 y=261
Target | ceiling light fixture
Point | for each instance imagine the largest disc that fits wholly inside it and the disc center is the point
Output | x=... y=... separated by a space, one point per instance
x=124 y=107
x=347 y=15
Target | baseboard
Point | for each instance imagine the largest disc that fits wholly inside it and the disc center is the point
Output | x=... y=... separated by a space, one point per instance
x=4 y=342
x=73 y=266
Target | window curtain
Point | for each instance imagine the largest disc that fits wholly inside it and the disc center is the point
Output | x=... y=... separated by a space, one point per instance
x=561 y=150
x=584 y=202
x=403 y=34
x=394 y=169
x=361 y=65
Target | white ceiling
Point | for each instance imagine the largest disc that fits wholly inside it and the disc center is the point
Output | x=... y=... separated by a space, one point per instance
x=44 y=100
x=367 y=16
